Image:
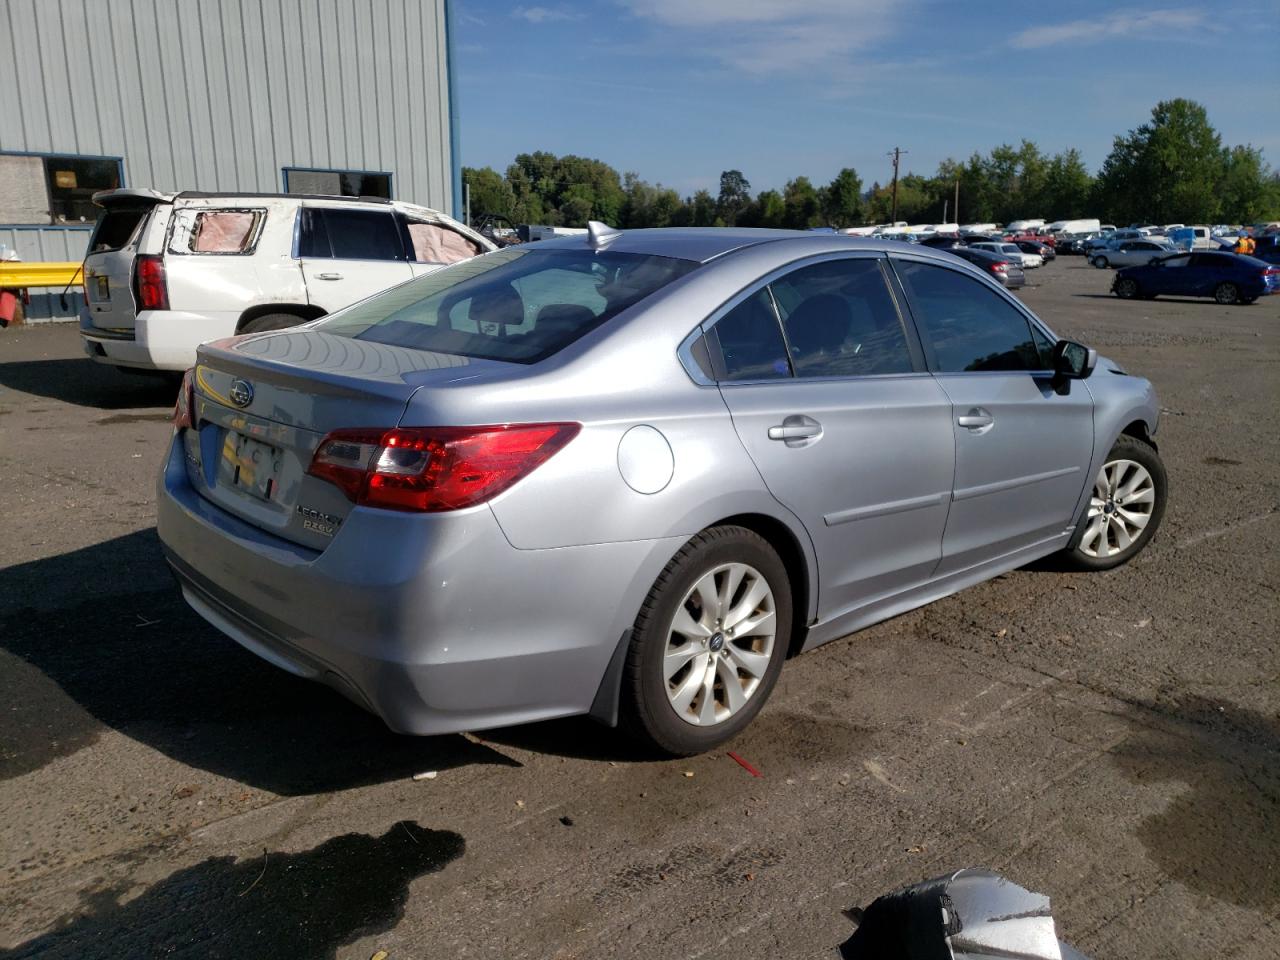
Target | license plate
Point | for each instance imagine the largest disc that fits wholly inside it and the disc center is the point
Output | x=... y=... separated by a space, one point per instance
x=254 y=466
x=104 y=288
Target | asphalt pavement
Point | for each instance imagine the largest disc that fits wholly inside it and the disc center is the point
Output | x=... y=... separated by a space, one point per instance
x=1112 y=740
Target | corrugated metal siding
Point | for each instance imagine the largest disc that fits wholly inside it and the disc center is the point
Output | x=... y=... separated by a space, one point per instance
x=221 y=95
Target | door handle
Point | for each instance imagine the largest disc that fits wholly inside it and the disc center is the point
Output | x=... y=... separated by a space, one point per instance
x=796 y=431
x=975 y=419
x=328 y=276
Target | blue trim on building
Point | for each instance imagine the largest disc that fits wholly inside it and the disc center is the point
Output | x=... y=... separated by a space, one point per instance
x=455 y=123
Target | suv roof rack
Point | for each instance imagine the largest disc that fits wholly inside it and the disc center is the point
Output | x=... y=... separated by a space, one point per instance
x=201 y=195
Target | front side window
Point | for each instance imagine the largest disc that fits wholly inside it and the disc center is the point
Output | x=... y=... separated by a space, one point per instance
x=970 y=327
x=1181 y=261
x=520 y=304
x=841 y=321
x=330 y=233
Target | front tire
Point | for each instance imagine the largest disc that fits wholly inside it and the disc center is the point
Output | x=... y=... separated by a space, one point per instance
x=1101 y=263
x=1125 y=507
x=708 y=644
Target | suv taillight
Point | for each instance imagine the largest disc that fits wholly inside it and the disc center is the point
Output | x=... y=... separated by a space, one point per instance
x=433 y=469
x=149 y=285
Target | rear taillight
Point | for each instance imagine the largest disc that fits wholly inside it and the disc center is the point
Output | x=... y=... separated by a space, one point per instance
x=433 y=469
x=149 y=285
x=1001 y=267
x=184 y=407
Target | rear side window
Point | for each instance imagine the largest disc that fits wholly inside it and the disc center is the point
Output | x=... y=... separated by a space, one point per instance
x=969 y=327
x=216 y=231
x=115 y=228
x=329 y=233
x=841 y=321
x=747 y=344
x=519 y=304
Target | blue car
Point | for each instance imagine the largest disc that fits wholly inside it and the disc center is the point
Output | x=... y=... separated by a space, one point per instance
x=1227 y=277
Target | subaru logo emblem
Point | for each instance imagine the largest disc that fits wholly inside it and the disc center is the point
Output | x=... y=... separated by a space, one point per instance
x=241 y=393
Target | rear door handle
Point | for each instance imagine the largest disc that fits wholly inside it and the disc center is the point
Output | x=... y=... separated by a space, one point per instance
x=796 y=431
x=975 y=419
x=328 y=276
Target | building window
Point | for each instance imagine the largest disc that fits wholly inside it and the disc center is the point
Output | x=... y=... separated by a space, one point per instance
x=54 y=188
x=337 y=183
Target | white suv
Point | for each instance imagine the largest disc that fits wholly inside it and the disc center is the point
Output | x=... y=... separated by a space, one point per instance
x=168 y=272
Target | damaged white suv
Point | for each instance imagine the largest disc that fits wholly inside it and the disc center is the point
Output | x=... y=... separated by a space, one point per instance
x=168 y=272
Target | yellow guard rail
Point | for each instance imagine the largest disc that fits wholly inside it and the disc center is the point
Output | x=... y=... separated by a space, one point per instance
x=20 y=275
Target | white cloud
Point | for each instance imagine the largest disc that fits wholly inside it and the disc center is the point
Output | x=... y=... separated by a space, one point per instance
x=774 y=36
x=1109 y=27
x=544 y=14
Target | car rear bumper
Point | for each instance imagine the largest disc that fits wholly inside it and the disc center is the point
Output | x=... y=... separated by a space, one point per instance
x=158 y=340
x=433 y=622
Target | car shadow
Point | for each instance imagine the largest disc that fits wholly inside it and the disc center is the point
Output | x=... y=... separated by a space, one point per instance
x=100 y=639
x=84 y=383
x=299 y=905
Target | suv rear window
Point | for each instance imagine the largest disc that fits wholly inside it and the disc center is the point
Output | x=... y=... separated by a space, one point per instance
x=114 y=229
x=517 y=304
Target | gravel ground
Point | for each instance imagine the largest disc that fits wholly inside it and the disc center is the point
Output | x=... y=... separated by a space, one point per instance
x=1112 y=740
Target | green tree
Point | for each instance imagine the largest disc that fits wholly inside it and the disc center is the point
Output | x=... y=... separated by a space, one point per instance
x=490 y=193
x=801 y=207
x=1166 y=170
x=1067 y=187
x=1247 y=191
x=735 y=195
x=842 y=199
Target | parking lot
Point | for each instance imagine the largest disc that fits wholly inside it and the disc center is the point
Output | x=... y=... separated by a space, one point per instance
x=1112 y=740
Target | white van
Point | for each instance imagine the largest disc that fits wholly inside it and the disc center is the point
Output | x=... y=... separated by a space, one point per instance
x=167 y=272
x=1075 y=226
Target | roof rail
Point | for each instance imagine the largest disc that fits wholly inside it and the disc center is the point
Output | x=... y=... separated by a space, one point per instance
x=202 y=195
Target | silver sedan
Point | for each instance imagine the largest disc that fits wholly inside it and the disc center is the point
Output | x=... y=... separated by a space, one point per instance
x=627 y=474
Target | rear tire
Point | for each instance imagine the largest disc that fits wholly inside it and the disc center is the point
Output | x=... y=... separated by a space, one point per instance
x=689 y=684
x=1125 y=507
x=272 y=321
x=1227 y=294
x=1101 y=263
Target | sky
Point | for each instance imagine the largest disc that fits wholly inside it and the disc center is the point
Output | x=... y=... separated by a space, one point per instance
x=679 y=90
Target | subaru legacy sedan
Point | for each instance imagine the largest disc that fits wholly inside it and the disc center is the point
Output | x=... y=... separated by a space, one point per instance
x=627 y=474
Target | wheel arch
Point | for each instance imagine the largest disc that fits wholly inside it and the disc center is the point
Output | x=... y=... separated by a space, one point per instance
x=305 y=311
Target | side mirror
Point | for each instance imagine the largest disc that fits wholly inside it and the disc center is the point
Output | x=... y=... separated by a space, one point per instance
x=1073 y=361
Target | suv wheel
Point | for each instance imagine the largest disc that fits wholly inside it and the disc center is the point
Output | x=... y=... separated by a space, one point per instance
x=272 y=321
x=1125 y=507
x=1227 y=293
x=708 y=644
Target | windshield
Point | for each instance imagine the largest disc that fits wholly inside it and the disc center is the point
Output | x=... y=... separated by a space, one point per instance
x=518 y=304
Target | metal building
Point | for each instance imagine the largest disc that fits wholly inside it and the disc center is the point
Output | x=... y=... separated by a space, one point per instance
x=303 y=96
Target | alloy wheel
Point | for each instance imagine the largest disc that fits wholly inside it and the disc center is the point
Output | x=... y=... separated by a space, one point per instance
x=719 y=644
x=1124 y=496
x=1226 y=293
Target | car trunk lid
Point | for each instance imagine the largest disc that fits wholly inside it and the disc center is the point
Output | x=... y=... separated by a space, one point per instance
x=263 y=404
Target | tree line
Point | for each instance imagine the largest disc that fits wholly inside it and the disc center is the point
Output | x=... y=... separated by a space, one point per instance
x=1172 y=169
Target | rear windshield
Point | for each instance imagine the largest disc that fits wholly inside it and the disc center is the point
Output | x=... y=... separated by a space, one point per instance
x=520 y=304
x=114 y=229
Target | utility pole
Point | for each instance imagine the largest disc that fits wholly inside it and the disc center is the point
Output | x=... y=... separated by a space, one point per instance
x=466 y=203
x=897 y=153
x=957 y=201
